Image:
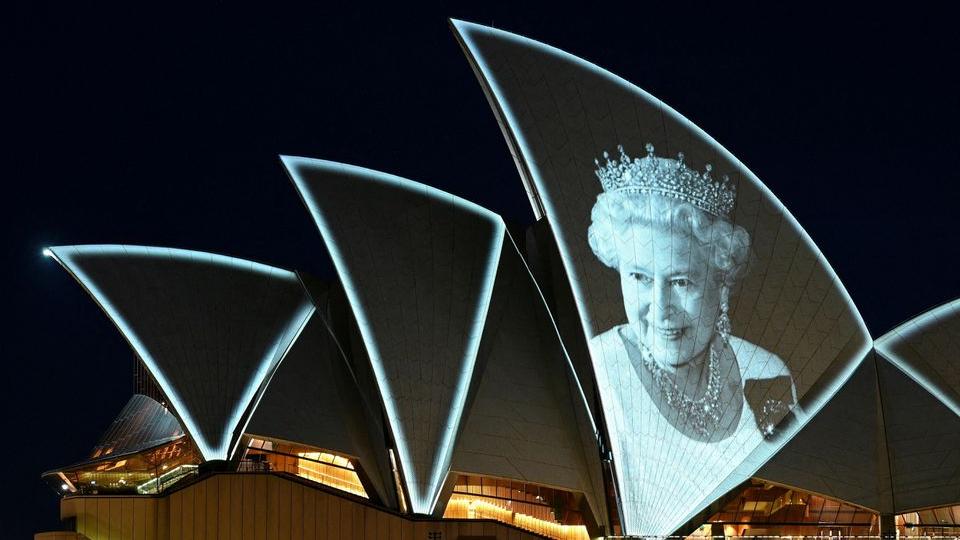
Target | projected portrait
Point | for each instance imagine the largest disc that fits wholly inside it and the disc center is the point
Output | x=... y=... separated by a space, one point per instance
x=665 y=229
x=716 y=328
x=686 y=398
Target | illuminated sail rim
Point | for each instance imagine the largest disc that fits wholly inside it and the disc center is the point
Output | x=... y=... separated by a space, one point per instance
x=890 y=345
x=532 y=176
x=241 y=411
x=424 y=499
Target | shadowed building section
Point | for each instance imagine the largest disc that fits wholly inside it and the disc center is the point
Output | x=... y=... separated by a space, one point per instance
x=527 y=419
x=313 y=400
x=715 y=325
x=884 y=442
x=842 y=452
x=920 y=380
x=210 y=329
x=923 y=437
x=417 y=266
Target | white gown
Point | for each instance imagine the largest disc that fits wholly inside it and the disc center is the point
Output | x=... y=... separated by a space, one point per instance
x=663 y=474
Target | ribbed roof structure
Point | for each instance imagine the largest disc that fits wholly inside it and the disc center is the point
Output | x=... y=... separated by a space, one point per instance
x=842 y=451
x=527 y=418
x=448 y=350
x=210 y=329
x=418 y=267
x=925 y=348
x=142 y=423
x=313 y=400
x=559 y=115
x=890 y=439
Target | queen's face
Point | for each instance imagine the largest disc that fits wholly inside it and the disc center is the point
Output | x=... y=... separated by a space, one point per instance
x=670 y=296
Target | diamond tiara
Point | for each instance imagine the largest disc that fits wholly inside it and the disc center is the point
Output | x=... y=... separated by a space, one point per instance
x=669 y=178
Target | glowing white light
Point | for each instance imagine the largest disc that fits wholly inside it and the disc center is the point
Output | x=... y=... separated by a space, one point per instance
x=422 y=501
x=910 y=330
x=535 y=184
x=64 y=487
x=47 y=253
x=284 y=342
x=65 y=256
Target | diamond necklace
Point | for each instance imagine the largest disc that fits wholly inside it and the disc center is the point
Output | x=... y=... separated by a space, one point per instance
x=701 y=414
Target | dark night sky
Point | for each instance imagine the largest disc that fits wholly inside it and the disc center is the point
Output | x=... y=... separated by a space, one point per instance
x=163 y=128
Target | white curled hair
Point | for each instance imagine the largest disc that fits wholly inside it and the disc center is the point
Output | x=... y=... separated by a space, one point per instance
x=615 y=212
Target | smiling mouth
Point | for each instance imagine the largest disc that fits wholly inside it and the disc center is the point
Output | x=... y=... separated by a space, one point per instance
x=670 y=334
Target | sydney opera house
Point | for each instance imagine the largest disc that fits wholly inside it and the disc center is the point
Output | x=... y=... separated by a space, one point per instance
x=664 y=352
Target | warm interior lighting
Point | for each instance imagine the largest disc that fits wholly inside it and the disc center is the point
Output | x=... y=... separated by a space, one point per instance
x=331 y=470
x=473 y=507
x=157 y=483
x=312 y=464
x=942 y=521
x=550 y=512
x=66 y=484
x=765 y=509
x=103 y=475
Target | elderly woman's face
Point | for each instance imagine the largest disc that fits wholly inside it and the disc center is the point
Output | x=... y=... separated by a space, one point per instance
x=670 y=296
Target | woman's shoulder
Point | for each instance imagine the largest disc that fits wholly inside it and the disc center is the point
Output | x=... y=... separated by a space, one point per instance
x=611 y=362
x=608 y=340
x=769 y=387
x=755 y=361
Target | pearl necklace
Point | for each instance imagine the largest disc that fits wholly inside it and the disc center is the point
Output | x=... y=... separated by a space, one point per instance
x=702 y=414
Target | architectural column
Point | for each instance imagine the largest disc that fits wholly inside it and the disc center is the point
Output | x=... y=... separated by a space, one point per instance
x=888 y=526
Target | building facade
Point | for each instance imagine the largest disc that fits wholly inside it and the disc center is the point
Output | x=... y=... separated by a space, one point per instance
x=665 y=351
